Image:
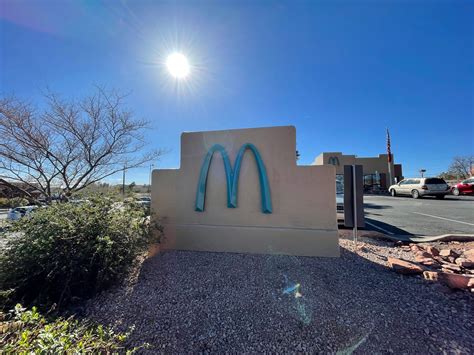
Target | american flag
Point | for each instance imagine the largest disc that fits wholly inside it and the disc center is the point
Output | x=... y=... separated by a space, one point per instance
x=389 y=152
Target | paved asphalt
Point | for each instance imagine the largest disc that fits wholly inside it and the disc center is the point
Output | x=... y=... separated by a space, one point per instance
x=425 y=216
x=407 y=216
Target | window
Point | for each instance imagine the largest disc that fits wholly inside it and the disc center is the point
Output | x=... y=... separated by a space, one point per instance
x=371 y=180
x=339 y=183
x=435 y=181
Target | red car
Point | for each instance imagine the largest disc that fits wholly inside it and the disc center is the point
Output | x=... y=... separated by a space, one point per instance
x=464 y=187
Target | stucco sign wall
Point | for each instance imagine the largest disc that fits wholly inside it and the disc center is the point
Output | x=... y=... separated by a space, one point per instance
x=241 y=191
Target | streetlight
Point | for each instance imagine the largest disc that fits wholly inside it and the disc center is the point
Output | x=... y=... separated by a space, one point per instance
x=422 y=171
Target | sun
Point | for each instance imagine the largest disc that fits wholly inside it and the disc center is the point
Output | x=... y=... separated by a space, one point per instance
x=178 y=65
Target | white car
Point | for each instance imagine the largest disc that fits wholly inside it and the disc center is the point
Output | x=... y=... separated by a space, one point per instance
x=419 y=187
x=15 y=214
x=144 y=201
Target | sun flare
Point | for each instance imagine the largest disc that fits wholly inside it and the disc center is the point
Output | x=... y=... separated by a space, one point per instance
x=178 y=65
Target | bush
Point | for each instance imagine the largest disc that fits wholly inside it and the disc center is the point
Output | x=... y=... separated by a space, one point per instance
x=26 y=331
x=4 y=202
x=67 y=252
x=13 y=202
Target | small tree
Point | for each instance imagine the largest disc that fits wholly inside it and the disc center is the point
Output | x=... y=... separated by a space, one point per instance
x=461 y=167
x=71 y=144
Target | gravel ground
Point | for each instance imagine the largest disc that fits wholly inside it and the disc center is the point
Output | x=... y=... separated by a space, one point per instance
x=184 y=302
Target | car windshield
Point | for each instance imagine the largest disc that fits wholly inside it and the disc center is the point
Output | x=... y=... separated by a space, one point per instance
x=434 y=181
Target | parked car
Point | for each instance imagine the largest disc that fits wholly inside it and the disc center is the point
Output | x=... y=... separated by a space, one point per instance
x=144 y=201
x=419 y=187
x=15 y=214
x=465 y=187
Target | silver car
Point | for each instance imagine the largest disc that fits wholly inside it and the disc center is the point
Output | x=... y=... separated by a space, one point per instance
x=419 y=187
x=15 y=214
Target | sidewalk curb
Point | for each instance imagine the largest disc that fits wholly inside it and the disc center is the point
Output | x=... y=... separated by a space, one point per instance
x=426 y=238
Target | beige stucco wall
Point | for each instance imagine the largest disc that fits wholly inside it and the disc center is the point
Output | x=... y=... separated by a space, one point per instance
x=303 y=221
x=370 y=165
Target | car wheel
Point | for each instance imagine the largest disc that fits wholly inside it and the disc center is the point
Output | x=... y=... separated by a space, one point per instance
x=415 y=194
x=456 y=191
x=439 y=197
x=393 y=192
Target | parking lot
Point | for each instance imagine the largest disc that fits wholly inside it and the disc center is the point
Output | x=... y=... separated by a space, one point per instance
x=407 y=216
x=426 y=216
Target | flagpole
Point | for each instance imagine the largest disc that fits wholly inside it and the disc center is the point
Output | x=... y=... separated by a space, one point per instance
x=389 y=159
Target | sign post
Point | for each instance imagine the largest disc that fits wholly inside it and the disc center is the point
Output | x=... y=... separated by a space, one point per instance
x=353 y=198
x=354 y=231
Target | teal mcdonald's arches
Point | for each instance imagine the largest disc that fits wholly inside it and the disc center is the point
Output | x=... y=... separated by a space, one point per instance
x=232 y=177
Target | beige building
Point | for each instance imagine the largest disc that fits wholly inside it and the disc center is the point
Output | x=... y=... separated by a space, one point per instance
x=375 y=169
x=242 y=191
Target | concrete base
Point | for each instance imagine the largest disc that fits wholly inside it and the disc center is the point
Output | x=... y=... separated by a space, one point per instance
x=250 y=239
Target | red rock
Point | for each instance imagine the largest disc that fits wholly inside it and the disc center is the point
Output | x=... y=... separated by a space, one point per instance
x=423 y=254
x=415 y=247
x=469 y=252
x=456 y=281
x=439 y=259
x=451 y=259
x=403 y=266
x=447 y=270
x=453 y=267
x=445 y=252
x=432 y=250
x=426 y=261
x=430 y=275
x=470 y=283
x=465 y=263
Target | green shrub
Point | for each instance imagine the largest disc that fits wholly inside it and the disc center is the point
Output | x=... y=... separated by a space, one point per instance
x=67 y=252
x=26 y=331
x=4 y=202
x=13 y=202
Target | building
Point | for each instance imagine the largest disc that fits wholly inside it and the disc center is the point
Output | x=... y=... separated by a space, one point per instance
x=375 y=169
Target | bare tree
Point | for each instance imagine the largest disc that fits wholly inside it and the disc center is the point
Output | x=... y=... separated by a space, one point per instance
x=71 y=144
x=461 y=167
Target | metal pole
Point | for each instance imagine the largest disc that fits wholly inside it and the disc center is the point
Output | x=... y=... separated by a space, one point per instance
x=354 y=188
x=390 y=172
x=123 y=181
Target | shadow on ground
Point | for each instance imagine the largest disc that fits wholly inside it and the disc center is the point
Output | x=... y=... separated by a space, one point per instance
x=375 y=206
x=385 y=226
x=189 y=302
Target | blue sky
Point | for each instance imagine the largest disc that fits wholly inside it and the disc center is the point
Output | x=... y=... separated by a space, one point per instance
x=340 y=71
